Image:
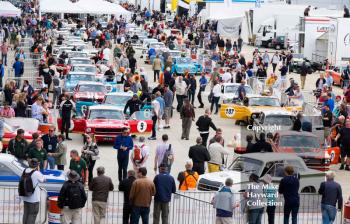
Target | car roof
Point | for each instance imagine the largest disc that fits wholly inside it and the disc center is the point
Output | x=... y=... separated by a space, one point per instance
x=277 y=112
x=234 y=84
x=296 y=133
x=79 y=58
x=105 y=107
x=120 y=94
x=90 y=83
x=260 y=96
x=84 y=65
x=6 y=157
x=271 y=156
x=82 y=73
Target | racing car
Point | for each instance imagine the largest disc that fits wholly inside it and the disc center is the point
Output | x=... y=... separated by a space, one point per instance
x=87 y=93
x=183 y=64
x=262 y=164
x=105 y=122
x=73 y=78
x=255 y=104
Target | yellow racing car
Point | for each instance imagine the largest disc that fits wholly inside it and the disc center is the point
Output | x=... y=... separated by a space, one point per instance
x=242 y=111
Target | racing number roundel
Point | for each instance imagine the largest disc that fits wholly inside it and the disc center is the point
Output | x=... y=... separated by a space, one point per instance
x=141 y=126
x=230 y=111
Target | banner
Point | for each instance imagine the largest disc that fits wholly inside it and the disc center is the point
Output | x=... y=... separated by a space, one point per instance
x=229 y=27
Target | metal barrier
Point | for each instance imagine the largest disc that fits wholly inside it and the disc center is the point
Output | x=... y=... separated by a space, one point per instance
x=189 y=207
x=194 y=207
x=11 y=206
x=35 y=82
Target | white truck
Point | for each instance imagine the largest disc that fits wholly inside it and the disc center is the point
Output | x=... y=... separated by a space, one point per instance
x=278 y=31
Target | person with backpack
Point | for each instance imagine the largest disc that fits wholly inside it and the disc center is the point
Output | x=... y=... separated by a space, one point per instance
x=29 y=191
x=123 y=144
x=164 y=154
x=140 y=154
x=18 y=146
x=188 y=178
x=72 y=199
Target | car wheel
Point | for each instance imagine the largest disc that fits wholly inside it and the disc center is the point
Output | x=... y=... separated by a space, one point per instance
x=309 y=189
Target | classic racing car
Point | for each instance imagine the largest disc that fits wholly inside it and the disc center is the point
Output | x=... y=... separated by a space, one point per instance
x=87 y=93
x=105 y=122
x=11 y=171
x=255 y=104
x=308 y=147
x=11 y=125
x=183 y=64
x=87 y=68
x=262 y=164
x=229 y=92
x=73 y=78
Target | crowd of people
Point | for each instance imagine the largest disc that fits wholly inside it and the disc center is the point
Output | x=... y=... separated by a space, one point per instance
x=50 y=151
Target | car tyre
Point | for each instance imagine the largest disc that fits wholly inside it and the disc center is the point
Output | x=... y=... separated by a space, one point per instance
x=309 y=189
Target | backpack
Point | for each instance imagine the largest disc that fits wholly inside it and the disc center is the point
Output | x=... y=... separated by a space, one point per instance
x=25 y=187
x=167 y=157
x=138 y=153
x=75 y=197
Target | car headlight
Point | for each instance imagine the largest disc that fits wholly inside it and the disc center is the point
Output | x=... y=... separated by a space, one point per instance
x=88 y=130
x=108 y=88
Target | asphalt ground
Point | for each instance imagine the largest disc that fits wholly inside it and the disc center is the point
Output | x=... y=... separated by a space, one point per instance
x=108 y=155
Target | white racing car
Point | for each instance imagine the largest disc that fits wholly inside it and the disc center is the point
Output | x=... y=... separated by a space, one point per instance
x=262 y=164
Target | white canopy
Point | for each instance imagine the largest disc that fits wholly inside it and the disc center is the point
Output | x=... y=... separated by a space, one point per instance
x=82 y=6
x=61 y=6
x=9 y=10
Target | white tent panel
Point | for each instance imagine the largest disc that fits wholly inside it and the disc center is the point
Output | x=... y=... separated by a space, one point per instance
x=9 y=10
x=61 y=6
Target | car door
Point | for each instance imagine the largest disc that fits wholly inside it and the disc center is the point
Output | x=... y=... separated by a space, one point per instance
x=8 y=177
x=77 y=125
x=140 y=123
x=234 y=111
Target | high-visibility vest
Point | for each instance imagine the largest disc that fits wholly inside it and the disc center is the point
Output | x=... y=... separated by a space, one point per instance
x=190 y=181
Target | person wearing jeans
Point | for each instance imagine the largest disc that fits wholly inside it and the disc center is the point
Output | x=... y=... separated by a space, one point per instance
x=255 y=211
x=331 y=195
x=140 y=197
x=123 y=143
x=165 y=187
x=289 y=187
x=50 y=142
x=216 y=97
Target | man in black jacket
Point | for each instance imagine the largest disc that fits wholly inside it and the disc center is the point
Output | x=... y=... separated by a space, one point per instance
x=199 y=155
x=203 y=123
x=134 y=104
x=303 y=73
x=72 y=198
x=125 y=186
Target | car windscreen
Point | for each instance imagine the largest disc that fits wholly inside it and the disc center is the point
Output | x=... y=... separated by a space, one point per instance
x=183 y=60
x=91 y=69
x=141 y=116
x=234 y=88
x=117 y=100
x=156 y=45
x=80 y=61
x=92 y=88
x=264 y=101
x=81 y=77
x=299 y=142
x=245 y=164
x=106 y=114
x=278 y=120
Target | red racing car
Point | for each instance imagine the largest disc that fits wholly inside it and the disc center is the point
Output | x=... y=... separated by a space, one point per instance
x=106 y=122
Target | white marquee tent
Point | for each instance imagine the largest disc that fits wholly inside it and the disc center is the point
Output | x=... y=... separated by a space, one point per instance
x=82 y=6
x=9 y=10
